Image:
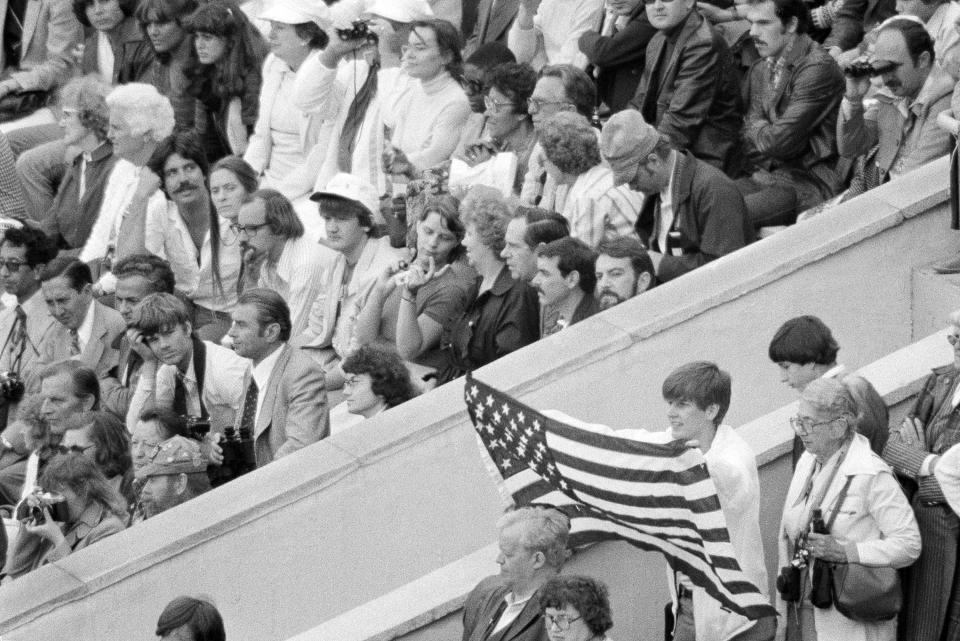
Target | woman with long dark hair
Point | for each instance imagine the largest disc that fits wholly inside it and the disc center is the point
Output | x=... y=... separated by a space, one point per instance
x=215 y=293
x=103 y=438
x=225 y=77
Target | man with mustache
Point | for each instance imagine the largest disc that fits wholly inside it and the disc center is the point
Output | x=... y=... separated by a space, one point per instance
x=85 y=330
x=902 y=120
x=565 y=280
x=624 y=270
x=789 y=134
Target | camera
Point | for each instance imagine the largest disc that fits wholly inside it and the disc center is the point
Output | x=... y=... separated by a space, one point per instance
x=197 y=426
x=11 y=386
x=788 y=582
x=866 y=69
x=360 y=30
x=53 y=501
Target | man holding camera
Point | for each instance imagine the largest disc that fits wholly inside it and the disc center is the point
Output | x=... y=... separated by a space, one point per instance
x=902 y=120
x=192 y=377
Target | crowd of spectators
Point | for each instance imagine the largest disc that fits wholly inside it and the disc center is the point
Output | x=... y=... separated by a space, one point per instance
x=231 y=229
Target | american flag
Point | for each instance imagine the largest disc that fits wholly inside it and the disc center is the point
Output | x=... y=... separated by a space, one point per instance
x=657 y=496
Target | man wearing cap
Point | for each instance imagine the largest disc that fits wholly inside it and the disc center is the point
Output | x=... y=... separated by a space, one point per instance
x=278 y=255
x=176 y=474
x=694 y=213
x=358 y=77
x=347 y=206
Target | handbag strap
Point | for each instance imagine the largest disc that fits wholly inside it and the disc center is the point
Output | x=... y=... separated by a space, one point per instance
x=839 y=502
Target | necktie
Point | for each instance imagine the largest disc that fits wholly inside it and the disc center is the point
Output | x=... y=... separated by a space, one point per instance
x=494 y=619
x=248 y=419
x=551 y=322
x=179 y=396
x=74 y=343
x=18 y=341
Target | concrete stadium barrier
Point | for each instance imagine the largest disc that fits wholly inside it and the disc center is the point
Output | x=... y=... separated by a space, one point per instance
x=373 y=509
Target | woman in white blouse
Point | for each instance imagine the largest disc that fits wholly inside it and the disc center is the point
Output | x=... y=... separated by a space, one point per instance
x=284 y=135
x=215 y=291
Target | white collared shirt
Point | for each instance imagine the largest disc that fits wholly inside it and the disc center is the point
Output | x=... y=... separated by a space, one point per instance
x=514 y=608
x=261 y=374
x=85 y=331
x=665 y=221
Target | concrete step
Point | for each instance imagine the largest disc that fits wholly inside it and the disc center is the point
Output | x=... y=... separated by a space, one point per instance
x=934 y=297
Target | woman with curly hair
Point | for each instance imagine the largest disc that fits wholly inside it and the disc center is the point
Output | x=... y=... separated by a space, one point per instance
x=586 y=195
x=508 y=128
x=226 y=76
x=375 y=380
x=409 y=306
x=504 y=316
x=575 y=608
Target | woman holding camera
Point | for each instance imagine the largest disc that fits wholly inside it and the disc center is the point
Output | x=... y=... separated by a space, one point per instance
x=862 y=506
x=91 y=510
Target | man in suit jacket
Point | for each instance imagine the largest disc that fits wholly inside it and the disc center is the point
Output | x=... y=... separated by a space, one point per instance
x=494 y=19
x=693 y=214
x=620 y=54
x=533 y=549
x=85 y=331
x=285 y=398
x=689 y=89
x=77 y=201
x=50 y=33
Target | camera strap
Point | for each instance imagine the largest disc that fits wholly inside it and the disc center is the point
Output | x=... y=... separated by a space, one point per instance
x=821 y=492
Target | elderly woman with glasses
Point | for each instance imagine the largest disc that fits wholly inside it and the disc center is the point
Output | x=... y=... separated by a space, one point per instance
x=862 y=505
x=914 y=450
x=575 y=608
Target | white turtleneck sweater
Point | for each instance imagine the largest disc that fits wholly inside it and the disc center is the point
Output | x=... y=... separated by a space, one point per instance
x=426 y=119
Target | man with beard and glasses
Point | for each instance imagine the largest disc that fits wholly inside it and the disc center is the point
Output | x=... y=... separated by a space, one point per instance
x=902 y=120
x=790 y=130
x=624 y=270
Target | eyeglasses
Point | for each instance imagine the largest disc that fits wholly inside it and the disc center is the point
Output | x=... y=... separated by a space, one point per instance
x=351 y=381
x=561 y=621
x=805 y=424
x=495 y=105
x=953 y=339
x=12 y=266
x=654 y=1
x=535 y=104
x=248 y=230
x=473 y=86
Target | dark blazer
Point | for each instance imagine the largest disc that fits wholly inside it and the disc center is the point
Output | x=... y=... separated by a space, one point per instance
x=492 y=25
x=696 y=100
x=795 y=127
x=294 y=412
x=855 y=18
x=587 y=307
x=481 y=606
x=619 y=58
x=69 y=219
x=132 y=53
x=709 y=218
